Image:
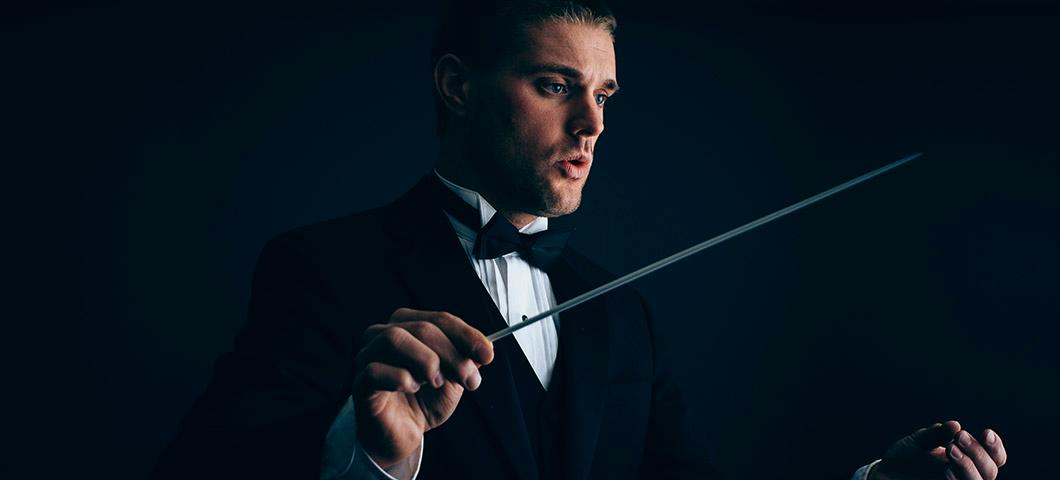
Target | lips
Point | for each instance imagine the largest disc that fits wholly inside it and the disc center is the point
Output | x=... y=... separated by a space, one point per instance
x=575 y=167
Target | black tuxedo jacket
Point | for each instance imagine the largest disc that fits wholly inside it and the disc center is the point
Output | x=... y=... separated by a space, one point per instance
x=268 y=408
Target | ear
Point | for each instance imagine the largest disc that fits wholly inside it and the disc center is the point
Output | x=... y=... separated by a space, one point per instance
x=451 y=83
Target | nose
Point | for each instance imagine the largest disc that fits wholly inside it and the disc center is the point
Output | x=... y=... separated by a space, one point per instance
x=587 y=119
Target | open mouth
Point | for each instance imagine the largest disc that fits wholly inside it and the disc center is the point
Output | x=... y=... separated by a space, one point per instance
x=576 y=167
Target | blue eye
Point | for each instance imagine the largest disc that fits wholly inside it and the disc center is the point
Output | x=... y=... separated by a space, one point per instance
x=557 y=88
x=600 y=99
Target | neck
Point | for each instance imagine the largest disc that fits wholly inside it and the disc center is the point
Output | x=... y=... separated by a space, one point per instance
x=454 y=166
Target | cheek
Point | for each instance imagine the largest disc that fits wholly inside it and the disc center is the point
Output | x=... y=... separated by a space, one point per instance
x=534 y=122
x=504 y=119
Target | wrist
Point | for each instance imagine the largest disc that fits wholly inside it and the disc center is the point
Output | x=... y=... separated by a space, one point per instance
x=388 y=455
x=404 y=469
x=383 y=461
x=384 y=446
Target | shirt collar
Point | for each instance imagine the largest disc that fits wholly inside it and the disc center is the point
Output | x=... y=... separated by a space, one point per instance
x=485 y=210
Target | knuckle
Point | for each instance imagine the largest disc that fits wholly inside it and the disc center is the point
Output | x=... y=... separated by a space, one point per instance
x=481 y=349
x=990 y=471
x=434 y=337
x=466 y=368
x=391 y=335
x=422 y=330
x=485 y=347
x=445 y=317
x=431 y=363
x=433 y=332
x=415 y=328
x=374 y=370
x=399 y=313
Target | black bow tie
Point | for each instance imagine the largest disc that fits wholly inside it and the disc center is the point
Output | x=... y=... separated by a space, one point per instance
x=499 y=237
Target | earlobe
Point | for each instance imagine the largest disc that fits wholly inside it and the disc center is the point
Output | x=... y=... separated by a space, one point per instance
x=451 y=83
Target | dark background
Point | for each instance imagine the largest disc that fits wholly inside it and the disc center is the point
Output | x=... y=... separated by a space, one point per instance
x=155 y=150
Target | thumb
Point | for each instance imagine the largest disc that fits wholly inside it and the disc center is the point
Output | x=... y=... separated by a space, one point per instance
x=936 y=435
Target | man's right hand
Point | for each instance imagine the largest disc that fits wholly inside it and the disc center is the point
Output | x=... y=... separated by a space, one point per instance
x=411 y=374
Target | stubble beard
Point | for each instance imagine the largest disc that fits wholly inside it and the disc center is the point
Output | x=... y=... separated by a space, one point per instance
x=523 y=184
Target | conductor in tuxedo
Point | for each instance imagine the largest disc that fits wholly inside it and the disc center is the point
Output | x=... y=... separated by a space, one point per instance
x=364 y=354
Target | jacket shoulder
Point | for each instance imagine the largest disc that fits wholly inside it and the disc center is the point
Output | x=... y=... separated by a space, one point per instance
x=345 y=236
x=368 y=230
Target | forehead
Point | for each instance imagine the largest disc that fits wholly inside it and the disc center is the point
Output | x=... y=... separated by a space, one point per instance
x=587 y=48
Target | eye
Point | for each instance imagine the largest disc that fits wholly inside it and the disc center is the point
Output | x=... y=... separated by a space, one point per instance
x=555 y=88
x=600 y=99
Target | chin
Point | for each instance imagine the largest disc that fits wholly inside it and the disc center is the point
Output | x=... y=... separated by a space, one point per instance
x=556 y=194
x=563 y=199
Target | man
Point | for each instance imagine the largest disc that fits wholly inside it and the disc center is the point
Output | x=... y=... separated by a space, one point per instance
x=365 y=356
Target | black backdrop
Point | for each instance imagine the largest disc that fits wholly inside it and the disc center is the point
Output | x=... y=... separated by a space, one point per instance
x=156 y=149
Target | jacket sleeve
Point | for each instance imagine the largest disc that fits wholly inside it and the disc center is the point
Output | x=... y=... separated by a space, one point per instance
x=269 y=406
x=673 y=449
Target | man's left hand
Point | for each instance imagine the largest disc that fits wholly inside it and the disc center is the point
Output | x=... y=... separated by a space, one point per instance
x=943 y=451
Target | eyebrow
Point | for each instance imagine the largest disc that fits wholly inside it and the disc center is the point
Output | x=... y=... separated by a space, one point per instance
x=568 y=71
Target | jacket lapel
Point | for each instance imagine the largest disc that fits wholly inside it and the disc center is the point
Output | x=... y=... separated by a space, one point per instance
x=584 y=350
x=435 y=268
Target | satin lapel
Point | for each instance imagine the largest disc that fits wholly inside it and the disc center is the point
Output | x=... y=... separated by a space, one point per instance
x=437 y=272
x=583 y=345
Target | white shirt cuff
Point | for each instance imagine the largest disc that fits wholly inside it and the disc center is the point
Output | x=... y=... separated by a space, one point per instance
x=343 y=457
x=400 y=470
x=863 y=472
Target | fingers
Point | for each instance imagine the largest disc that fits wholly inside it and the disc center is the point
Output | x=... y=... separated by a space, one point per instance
x=970 y=460
x=963 y=466
x=455 y=365
x=466 y=338
x=936 y=435
x=993 y=445
x=947 y=445
x=431 y=346
x=399 y=348
x=381 y=376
